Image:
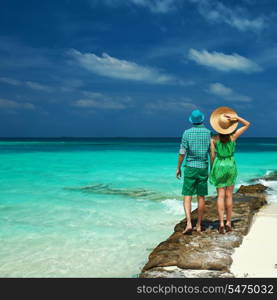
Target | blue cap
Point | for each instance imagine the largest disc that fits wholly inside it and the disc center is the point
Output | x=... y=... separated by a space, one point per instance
x=196 y=116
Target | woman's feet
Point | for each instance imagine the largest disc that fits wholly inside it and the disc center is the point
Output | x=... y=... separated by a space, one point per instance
x=221 y=229
x=228 y=227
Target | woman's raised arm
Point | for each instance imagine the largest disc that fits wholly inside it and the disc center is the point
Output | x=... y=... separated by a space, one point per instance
x=242 y=129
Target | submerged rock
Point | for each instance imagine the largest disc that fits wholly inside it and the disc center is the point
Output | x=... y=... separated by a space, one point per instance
x=205 y=254
x=270 y=176
x=130 y=192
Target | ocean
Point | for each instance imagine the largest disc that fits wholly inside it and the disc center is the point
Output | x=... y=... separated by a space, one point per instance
x=96 y=207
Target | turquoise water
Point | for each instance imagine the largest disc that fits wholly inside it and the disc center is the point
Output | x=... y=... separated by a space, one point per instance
x=96 y=207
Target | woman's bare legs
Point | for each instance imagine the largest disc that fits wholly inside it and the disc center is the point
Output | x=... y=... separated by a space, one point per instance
x=220 y=205
x=229 y=204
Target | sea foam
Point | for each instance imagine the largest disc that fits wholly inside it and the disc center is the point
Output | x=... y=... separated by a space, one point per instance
x=175 y=206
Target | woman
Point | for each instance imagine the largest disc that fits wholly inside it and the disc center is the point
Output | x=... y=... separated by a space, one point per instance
x=223 y=166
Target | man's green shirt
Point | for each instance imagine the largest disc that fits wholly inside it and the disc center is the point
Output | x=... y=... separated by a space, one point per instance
x=196 y=145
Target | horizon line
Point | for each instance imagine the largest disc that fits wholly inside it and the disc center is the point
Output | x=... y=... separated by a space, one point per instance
x=113 y=137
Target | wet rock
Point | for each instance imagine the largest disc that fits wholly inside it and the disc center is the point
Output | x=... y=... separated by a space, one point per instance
x=206 y=254
x=270 y=176
x=250 y=189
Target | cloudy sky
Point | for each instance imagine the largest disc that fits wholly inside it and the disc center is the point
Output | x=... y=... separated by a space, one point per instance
x=134 y=67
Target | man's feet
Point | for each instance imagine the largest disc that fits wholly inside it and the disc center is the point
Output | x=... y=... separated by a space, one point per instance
x=198 y=228
x=188 y=230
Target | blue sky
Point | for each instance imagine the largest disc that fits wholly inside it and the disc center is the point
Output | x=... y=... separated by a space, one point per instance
x=134 y=67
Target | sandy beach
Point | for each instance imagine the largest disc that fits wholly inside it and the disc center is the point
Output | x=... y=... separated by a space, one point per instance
x=257 y=255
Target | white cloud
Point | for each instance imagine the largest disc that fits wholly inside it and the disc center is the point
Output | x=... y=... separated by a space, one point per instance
x=10 y=104
x=100 y=101
x=10 y=81
x=104 y=104
x=155 y=6
x=171 y=105
x=223 y=62
x=31 y=84
x=38 y=86
x=69 y=85
x=216 y=12
x=120 y=69
x=227 y=93
x=220 y=90
x=93 y=95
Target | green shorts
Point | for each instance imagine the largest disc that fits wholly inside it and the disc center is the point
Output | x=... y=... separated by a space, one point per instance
x=195 y=181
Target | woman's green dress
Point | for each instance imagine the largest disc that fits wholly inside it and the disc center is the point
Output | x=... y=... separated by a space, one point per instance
x=224 y=170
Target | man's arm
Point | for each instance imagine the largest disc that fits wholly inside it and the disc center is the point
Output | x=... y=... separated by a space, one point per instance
x=182 y=153
x=180 y=161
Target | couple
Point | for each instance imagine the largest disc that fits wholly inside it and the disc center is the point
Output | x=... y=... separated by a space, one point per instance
x=197 y=144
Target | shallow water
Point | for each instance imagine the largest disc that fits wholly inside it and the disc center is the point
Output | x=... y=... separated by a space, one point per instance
x=96 y=207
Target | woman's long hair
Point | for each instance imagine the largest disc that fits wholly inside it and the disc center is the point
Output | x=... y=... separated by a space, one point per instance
x=224 y=138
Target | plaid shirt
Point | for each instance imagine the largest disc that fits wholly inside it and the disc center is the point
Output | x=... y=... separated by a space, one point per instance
x=196 y=145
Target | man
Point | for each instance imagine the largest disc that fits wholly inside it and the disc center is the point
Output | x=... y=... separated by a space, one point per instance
x=195 y=147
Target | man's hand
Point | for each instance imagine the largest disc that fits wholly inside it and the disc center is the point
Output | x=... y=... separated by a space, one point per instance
x=180 y=161
x=178 y=173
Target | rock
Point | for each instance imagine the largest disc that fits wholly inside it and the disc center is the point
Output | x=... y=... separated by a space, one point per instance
x=250 y=189
x=205 y=254
x=270 y=176
x=109 y=190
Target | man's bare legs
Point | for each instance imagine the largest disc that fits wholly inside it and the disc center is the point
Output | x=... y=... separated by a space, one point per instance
x=220 y=208
x=187 y=208
x=200 y=210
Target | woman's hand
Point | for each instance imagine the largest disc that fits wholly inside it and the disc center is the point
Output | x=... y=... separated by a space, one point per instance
x=241 y=130
x=230 y=117
x=227 y=116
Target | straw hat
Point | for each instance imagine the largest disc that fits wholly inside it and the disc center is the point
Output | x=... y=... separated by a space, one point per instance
x=220 y=123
